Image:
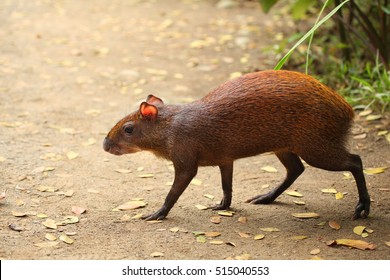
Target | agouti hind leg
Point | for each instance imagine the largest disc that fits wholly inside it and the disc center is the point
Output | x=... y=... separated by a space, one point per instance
x=341 y=160
x=226 y=178
x=294 y=168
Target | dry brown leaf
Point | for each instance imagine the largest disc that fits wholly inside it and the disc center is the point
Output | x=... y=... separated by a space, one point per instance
x=305 y=215
x=358 y=244
x=294 y=193
x=335 y=225
x=215 y=219
x=212 y=234
x=132 y=204
x=244 y=234
x=242 y=220
x=78 y=210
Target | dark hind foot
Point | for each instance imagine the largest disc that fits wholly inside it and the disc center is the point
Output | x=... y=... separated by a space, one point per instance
x=261 y=199
x=362 y=210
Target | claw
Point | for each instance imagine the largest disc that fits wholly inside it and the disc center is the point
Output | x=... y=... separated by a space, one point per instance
x=157 y=216
x=362 y=210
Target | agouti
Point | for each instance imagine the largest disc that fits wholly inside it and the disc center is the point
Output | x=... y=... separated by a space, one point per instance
x=289 y=113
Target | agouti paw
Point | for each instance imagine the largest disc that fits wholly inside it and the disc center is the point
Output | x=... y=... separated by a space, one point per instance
x=159 y=215
x=362 y=210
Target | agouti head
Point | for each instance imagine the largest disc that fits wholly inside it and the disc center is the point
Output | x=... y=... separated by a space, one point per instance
x=134 y=132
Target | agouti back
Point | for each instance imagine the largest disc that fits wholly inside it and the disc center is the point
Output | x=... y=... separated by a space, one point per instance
x=289 y=113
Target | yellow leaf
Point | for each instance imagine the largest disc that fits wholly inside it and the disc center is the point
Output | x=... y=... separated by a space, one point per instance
x=50 y=223
x=298 y=202
x=2 y=159
x=226 y=213
x=174 y=229
x=387 y=243
x=72 y=155
x=209 y=196
x=339 y=195
x=46 y=244
x=331 y=190
x=365 y=113
x=358 y=230
x=234 y=75
x=122 y=171
x=42 y=216
x=270 y=229
x=66 y=239
x=299 y=237
x=196 y=182
x=294 y=193
x=201 y=239
x=201 y=207
x=315 y=251
x=50 y=237
x=92 y=191
x=259 y=236
x=373 y=117
x=372 y=171
x=216 y=242
x=306 y=215
x=89 y=142
x=19 y=214
x=270 y=169
x=242 y=220
x=147 y=175
x=358 y=244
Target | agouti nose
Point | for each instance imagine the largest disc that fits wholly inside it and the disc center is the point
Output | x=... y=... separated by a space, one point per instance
x=107 y=143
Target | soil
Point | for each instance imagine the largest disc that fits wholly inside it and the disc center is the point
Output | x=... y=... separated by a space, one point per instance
x=70 y=69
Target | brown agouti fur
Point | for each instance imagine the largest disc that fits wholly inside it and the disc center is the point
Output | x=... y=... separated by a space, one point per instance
x=289 y=113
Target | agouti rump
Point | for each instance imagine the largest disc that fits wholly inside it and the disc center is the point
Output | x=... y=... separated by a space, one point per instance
x=289 y=113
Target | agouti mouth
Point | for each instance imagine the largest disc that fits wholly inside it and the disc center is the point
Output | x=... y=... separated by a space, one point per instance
x=109 y=146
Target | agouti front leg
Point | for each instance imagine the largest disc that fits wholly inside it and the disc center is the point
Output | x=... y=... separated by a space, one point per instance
x=183 y=178
x=226 y=178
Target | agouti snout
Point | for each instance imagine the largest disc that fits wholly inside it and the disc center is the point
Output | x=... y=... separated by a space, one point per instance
x=288 y=113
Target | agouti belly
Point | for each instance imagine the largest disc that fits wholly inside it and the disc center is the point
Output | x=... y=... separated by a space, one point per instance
x=288 y=113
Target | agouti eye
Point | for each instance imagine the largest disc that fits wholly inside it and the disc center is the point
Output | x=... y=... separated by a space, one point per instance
x=128 y=128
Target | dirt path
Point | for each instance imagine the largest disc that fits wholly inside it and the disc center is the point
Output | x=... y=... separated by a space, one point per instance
x=70 y=69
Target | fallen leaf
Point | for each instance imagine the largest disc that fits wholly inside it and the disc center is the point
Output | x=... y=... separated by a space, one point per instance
x=335 y=225
x=365 y=113
x=373 y=117
x=299 y=237
x=243 y=257
x=231 y=244
x=132 y=204
x=368 y=230
x=46 y=244
x=215 y=219
x=2 y=196
x=66 y=239
x=339 y=195
x=216 y=242
x=209 y=196
x=242 y=220
x=50 y=237
x=123 y=171
x=226 y=213
x=212 y=234
x=147 y=175
x=78 y=210
x=19 y=214
x=360 y=136
x=69 y=193
x=72 y=155
x=358 y=244
x=174 y=229
x=92 y=191
x=201 y=239
x=197 y=233
x=89 y=142
x=41 y=216
x=68 y=220
x=2 y=159
x=387 y=243
x=50 y=223
x=358 y=230
x=298 y=202
x=269 y=169
x=157 y=254
x=305 y=215
x=294 y=193
x=315 y=251
x=201 y=207
x=244 y=234
x=196 y=182
x=373 y=171
x=270 y=229
x=259 y=236
x=331 y=190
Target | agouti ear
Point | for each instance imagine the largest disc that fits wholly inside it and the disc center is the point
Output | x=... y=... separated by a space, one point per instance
x=148 y=111
x=154 y=100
